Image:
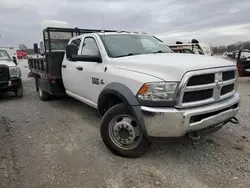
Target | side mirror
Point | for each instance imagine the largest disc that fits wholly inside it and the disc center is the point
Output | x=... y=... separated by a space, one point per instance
x=36 y=48
x=14 y=60
x=71 y=50
x=72 y=55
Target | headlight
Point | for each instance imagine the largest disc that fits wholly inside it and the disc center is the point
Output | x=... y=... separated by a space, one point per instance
x=158 y=91
x=14 y=72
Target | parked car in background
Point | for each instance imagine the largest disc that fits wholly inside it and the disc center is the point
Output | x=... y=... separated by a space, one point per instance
x=243 y=63
x=12 y=51
x=181 y=49
x=10 y=75
x=22 y=55
x=193 y=47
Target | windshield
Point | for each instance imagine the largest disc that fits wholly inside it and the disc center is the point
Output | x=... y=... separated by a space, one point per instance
x=120 y=45
x=4 y=56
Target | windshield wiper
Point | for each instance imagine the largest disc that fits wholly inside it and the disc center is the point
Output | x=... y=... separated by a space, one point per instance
x=157 y=52
x=130 y=54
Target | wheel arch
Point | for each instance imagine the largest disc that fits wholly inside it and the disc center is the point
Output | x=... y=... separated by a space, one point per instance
x=124 y=95
x=119 y=92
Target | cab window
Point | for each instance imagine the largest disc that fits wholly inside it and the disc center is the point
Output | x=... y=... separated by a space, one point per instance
x=90 y=47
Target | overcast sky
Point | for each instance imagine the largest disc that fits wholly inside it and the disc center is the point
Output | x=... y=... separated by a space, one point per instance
x=212 y=21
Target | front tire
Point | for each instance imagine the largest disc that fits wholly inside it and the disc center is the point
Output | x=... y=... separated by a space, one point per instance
x=122 y=134
x=43 y=95
x=19 y=92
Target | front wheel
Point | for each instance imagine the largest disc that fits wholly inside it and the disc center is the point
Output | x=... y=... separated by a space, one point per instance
x=19 y=92
x=122 y=134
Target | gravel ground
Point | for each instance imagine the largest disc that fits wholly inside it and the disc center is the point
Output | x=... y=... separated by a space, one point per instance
x=58 y=144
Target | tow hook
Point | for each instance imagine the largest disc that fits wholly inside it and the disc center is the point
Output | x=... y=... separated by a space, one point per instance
x=234 y=120
x=193 y=136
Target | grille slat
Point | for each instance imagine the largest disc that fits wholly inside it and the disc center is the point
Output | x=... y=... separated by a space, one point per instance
x=194 y=96
x=4 y=73
x=228 y=75
x=201 y=80
x=227 y=89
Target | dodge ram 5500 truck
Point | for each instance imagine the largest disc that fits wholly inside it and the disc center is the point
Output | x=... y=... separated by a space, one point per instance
x=10 y=75
x=141 y=88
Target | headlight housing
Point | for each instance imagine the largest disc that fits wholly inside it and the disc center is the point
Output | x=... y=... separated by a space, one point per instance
x=158 y=91
x=14 y=72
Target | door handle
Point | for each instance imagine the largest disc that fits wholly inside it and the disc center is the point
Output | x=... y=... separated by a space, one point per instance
x=79 y=68
x=63 y=66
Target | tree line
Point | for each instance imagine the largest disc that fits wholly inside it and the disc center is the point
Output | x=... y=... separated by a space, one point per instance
x=231 y=47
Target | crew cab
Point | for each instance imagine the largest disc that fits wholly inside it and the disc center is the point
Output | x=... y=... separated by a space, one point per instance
x=10 y=75
x=139 y=86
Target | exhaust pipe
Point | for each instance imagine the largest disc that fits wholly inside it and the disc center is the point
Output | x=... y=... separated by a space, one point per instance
x=193 y=136
x=234 y=120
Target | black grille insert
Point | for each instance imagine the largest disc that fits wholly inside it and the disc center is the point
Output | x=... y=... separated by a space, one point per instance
x=198 y=118
x=226 y=89
x=193 y=96
x=201 y=79
x=4 y=73
x=228 y=75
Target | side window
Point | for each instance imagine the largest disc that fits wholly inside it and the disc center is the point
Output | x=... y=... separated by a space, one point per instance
x=90 y=47
x=76 y=42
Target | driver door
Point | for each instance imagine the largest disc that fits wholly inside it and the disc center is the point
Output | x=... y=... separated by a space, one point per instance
x=69 y=72
x=90 y=77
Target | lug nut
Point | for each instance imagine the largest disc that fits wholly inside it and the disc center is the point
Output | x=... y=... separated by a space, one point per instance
x=130 y=135
x=127 y=127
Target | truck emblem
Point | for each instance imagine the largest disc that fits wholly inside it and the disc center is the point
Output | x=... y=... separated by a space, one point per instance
x=219 y=84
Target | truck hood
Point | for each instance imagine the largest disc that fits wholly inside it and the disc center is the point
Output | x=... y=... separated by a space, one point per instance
x=8 y=63
x=169 y=66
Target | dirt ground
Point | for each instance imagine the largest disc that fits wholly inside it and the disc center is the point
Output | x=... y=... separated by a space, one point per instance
x=57 y=144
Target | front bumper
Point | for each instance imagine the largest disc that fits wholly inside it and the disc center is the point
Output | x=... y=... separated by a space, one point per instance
x=10 y=84
x=172 y=122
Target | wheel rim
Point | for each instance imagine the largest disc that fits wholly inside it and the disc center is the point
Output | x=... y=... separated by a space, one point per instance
x=125 y=132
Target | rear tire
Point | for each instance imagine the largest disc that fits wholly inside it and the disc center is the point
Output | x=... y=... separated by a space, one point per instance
x=43 y=95
x=19 y=92
x=122 y=134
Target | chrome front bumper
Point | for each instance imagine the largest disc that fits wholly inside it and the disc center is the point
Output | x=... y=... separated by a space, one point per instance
x=172 y=122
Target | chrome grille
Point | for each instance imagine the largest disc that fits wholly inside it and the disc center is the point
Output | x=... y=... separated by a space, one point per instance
x=206 y=86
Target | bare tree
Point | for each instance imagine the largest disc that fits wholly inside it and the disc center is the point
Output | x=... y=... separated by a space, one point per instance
x=22 y=47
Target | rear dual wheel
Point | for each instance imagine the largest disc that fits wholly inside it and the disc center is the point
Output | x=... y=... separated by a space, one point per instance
x=43 y=95
x=122 y=134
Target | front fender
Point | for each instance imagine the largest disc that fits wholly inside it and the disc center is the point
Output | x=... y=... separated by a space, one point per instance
x=128 y=97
